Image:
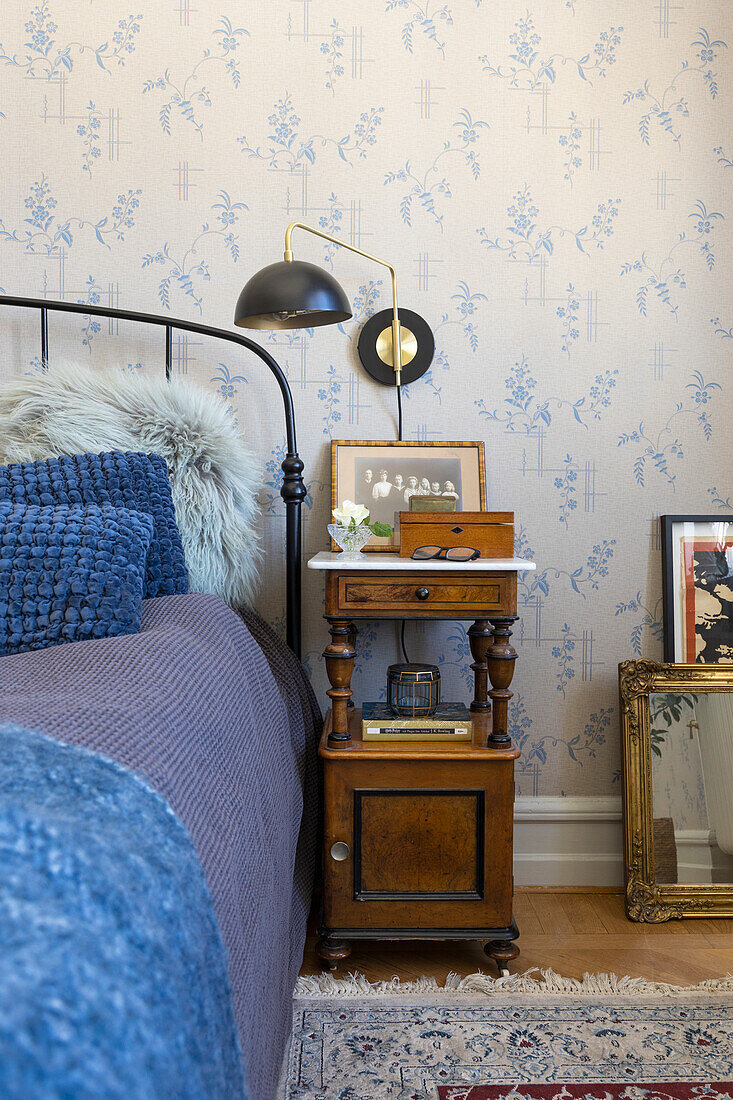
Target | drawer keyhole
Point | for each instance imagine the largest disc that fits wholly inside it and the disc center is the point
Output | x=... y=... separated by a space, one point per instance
x=422 y=593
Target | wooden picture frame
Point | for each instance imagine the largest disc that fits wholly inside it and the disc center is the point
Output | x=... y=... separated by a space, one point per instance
x=646 y=899
x=461 y=466
x=695 y=627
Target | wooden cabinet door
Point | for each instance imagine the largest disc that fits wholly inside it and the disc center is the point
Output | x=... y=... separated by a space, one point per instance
x=429 y=845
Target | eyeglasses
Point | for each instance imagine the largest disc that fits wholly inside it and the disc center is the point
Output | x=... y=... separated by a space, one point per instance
x=450 y=553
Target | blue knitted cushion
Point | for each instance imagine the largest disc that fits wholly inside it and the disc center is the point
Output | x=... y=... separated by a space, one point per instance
x=67 y=574
x=125 y=480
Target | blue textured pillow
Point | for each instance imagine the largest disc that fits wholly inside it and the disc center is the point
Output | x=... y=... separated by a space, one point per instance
x=123 y=479
x=67 y=574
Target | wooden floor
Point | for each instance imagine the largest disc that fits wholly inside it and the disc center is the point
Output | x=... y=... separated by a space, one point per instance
x=571 y=932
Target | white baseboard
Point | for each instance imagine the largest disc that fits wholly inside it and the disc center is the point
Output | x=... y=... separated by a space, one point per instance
x=694 y=856
x=568 y=842
x=699 y=859
x=579 y=842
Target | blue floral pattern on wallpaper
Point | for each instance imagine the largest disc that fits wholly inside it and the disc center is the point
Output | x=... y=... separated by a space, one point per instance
x=552 y=180
x=45 y=50
x=424 y=189
x=188 y=95
x=48 y=231
x=670 y=106
x=662 y=281
x=290 y=147
x=527 y=65
x=187 y=273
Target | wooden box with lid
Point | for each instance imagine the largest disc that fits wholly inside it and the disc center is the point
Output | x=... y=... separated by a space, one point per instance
x=490 y=533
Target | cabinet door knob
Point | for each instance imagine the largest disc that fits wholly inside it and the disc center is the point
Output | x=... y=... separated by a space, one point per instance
x=340 y=851
x=422 y=593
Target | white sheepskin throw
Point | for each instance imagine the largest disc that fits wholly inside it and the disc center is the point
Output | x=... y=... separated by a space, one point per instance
x=214 y=478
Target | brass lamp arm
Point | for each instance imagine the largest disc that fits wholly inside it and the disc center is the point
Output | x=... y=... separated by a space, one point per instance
x=396 y=341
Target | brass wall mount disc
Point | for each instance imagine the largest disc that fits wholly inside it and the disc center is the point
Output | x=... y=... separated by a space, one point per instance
x=408 y=340
x=375 y=346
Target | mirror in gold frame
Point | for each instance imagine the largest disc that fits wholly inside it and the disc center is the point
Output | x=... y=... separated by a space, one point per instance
x=677 y=745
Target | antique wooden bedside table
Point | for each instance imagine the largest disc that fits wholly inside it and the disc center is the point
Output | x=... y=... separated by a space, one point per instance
x=418 y=838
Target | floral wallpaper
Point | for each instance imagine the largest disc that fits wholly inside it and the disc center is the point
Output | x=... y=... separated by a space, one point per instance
x=553 y=182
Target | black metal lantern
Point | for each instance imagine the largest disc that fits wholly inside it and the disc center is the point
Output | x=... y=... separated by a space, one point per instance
x=413 y=690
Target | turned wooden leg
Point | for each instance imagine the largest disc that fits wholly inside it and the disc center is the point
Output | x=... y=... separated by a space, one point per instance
x=479 y=635
x=500 y=658
x=352 y=642
x=332 y=951
x=339 y=666
x=502 y=952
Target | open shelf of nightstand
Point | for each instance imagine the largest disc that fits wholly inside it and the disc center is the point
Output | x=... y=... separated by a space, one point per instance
x=407 y=750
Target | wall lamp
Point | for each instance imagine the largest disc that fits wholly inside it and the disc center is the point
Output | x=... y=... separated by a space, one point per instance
x=395 y=346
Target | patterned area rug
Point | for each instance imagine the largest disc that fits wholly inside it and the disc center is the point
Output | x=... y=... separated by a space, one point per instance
x=515 y=1038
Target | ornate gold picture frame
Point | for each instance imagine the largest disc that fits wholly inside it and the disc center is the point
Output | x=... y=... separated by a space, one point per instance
x=646 y=899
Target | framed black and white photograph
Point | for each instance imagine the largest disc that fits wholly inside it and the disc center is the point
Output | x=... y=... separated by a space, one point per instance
x=384 y=475
x=697 y=575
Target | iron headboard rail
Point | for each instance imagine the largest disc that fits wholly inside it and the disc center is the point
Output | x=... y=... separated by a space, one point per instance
x=293 y=489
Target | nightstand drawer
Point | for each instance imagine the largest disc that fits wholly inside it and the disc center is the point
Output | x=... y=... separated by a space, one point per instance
x=425 y=594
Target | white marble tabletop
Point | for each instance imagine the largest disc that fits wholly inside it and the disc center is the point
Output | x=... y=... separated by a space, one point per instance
x=394 y=563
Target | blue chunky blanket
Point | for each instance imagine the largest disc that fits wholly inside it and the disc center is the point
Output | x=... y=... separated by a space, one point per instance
x=114 y=979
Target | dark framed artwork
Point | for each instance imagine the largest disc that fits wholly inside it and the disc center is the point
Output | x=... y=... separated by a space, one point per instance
x=384 y=475
x=697 y=579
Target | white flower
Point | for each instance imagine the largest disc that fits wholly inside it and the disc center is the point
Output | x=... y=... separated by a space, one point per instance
x=351 y=514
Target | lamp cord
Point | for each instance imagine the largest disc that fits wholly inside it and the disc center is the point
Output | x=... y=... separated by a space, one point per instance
x=399 y=436
x=402 y=642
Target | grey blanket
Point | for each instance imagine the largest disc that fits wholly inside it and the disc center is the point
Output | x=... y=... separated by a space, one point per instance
x=224 y=728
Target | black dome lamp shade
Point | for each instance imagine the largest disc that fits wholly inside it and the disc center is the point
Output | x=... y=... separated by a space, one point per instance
x=291 y=294
x=395 y=346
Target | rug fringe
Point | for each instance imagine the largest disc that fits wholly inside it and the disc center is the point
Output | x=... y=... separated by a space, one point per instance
x=607 y=985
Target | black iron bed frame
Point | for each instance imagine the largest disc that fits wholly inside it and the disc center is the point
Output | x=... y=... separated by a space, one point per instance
x=293 y=490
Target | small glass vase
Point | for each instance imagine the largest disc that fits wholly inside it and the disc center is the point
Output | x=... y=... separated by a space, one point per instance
x=350 y=539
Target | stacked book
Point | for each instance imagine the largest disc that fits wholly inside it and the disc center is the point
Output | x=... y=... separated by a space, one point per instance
x=449 y=722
